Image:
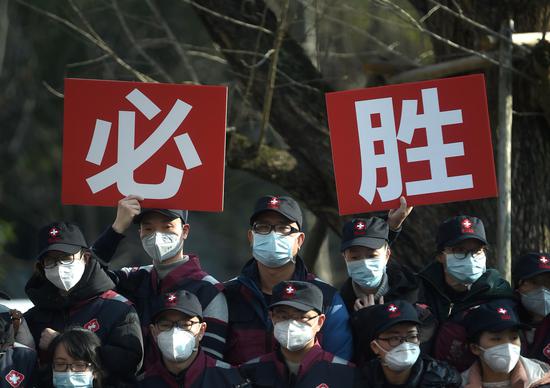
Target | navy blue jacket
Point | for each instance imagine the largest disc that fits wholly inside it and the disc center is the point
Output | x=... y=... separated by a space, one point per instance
x=204 y=372
x=17 y=367
x=317 y=369
x=250 y=332
x=93 y=305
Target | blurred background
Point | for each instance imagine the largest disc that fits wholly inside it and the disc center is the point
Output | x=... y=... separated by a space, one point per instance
x=326 y=45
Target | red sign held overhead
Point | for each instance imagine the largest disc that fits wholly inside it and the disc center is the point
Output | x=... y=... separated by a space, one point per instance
x=429 y=141
x=165 y=142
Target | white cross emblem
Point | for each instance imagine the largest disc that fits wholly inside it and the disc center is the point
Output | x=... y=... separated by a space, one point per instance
x=14 y=378
x=129 y=158
x=54 y=232
x=502 y=311
x=171 y=297
x=467 y=223
x=274 y=202
x=93 y=325
x=543 y=259
x=290 y=290
x=392 y=308
x=360 y=226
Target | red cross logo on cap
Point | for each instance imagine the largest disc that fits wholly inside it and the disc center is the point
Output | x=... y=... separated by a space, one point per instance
x=394 y=311
x=503 y=314
x=544 y=262
x=14 y=378
x=467 y=226
x=323 y=385
x=290 y=291
x=359 y=228
x=54 y=232
x=93 y=325
x=274 y=203
x=171 y=298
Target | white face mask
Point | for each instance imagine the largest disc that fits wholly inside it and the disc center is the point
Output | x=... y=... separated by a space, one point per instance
x=293 y=335
x=272 y=250
x=176 y=345
x=66 y=276
x=161 y=246
x=402 y=356
x=501 y=358
x=537 y=301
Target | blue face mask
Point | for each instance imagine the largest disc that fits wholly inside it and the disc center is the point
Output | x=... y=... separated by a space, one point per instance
x=272 y=250
x=367 y=273
x=73 y=379
x=468 y=269
x=537 y=301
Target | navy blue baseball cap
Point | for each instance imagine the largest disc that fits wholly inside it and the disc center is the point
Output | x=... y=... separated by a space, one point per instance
x=531 y=264
x=496 y=315
x=457 y=229
x=170 y=213
x=303 y=296
x=182 y=301
x=283 y=205
x=366 y=232
x=60 y=236
x=376 y=319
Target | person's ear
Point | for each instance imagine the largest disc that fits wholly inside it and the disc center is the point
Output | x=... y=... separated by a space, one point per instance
x=300 y=239
x=250 y=236
x=388 y=254
x=185 y=231
x=154 y=332
x=321 y=320
x=202 y=330
x=86 y=256
x=375 y=348
x=441 y=258
x=476 y=351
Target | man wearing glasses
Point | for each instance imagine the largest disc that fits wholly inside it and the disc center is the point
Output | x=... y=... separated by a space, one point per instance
x=69 y=288
x=457 y=280
x=296 y=312
x=276 y=236
x=177 y=328
x=390 y=332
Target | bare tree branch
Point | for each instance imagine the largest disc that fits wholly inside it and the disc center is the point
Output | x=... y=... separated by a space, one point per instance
x=129 y=34
x=92 y=38
x=172 y=38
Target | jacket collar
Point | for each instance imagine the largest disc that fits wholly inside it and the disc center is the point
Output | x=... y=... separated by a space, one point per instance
x=187 y=270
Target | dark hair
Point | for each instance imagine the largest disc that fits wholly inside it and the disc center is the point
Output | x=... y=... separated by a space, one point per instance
x=81 y=344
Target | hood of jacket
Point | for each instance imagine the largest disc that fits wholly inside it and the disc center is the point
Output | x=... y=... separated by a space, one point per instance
x=45 y=295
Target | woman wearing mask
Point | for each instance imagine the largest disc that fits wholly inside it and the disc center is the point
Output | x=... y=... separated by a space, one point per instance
x=493 y=335
x=391 y=333
x=532 y=278
x=177 y=329
x=76 y=360
x=69 y=288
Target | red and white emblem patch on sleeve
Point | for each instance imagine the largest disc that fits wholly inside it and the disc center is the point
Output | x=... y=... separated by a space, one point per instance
x=323 y=385
x=93 y=325
x=14 y=378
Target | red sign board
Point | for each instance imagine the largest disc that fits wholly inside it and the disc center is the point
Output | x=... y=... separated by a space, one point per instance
x=428 y=141
x=165 y=142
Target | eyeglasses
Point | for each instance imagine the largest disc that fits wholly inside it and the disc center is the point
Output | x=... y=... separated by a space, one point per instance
x=77 y=366
x=460 y=253
x=285 y=316
x=51 y=261
x=283 y=229
x=168 y=325
x=396 y=340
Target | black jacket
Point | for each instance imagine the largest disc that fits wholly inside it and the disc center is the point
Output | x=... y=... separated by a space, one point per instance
x=17 y=366
x=449 y=341
x=426 y=372
x=93 y=305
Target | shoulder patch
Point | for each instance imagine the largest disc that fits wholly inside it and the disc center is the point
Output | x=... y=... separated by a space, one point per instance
x=112 y=295
x=129 y=270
